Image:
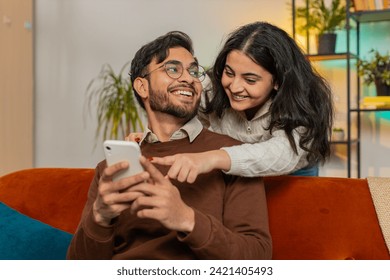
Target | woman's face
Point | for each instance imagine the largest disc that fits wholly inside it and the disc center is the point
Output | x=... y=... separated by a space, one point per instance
x=247 y=84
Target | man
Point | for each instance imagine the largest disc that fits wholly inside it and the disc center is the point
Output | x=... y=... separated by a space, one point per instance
x=147 y=216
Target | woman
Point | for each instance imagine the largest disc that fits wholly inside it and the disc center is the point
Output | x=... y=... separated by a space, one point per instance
x=265 y=93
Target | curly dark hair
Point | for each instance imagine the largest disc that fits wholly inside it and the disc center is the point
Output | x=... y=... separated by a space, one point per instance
x=159 y=49
x=303 y=98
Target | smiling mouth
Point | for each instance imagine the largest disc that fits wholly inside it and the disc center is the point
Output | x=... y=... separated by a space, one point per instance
x=183 y=93
x=239 y=97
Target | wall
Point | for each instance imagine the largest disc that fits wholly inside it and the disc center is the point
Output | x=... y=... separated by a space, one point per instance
x=16 y=85
x=74 y=38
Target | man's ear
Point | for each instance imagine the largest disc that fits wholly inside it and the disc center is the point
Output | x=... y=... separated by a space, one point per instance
x=141 y=85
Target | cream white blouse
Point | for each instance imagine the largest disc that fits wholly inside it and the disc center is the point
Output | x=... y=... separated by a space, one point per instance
x=264 y=154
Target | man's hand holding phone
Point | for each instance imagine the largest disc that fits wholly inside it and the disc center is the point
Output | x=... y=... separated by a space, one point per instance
x=147 y=193
x=113 y=197
x=123 y=171
x=162 y=201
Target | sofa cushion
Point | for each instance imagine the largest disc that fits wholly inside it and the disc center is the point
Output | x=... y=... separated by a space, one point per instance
x=24 y=238
x=55 y=196
x=323 y=218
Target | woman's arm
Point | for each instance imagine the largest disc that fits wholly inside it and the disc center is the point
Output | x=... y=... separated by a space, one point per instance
x=271 y=157
x=187 y=167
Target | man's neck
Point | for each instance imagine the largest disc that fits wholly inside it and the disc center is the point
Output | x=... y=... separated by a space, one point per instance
x=164 y=125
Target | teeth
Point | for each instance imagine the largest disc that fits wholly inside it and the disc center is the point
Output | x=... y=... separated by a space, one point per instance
x=182 y=92
x=240 y=97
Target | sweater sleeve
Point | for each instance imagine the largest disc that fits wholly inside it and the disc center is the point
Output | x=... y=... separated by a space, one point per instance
x=91 y=241
x=244 y=232
x=271 y=157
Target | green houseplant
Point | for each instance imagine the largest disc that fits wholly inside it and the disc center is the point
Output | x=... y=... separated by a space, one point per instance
x=338 y=134
x=376 y=70
x=111 y=94
x=323 y=20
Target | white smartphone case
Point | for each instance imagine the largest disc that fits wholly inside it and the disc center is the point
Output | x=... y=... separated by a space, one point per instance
x=116 y=151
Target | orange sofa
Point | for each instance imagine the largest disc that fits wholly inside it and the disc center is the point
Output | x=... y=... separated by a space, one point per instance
x=310 y=217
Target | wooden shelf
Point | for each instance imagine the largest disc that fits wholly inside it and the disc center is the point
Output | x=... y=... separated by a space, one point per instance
x=343 y=142
x=370 y=110
x=371 y=16
x=336 y=56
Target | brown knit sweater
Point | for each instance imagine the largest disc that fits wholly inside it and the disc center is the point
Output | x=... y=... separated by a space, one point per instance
x=231 y=220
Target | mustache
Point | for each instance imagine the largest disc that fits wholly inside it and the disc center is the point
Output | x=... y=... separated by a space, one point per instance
x=181 y=85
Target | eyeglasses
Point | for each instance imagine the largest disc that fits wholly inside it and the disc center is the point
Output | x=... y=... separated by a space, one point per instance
x=174 y=69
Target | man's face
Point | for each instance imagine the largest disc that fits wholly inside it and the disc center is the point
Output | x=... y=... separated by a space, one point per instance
x=178 y=97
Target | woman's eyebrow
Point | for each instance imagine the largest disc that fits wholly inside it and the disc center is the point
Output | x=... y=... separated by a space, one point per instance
x=251 y=74
x=243 y=74
x=230 y=68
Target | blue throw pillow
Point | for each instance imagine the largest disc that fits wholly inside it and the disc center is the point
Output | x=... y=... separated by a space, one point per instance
x=24 y=238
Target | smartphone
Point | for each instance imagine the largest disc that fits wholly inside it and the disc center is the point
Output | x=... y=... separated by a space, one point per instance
x=116 y=151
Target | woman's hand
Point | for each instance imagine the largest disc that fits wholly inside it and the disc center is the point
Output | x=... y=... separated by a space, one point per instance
x=187 y=167
x=134 y=136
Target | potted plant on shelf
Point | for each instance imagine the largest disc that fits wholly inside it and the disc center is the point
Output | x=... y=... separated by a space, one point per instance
x=338 y=134
x=118 y=113
x=376 y=70
x=323 y=20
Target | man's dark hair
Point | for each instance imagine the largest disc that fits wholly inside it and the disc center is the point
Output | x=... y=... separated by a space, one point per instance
x=159 y=49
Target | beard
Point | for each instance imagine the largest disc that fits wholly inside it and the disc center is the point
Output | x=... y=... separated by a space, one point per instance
x=160 y=102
